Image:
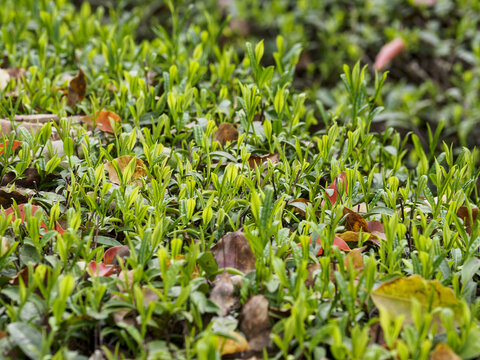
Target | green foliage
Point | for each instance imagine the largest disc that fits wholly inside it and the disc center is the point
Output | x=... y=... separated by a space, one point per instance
x=173 y=91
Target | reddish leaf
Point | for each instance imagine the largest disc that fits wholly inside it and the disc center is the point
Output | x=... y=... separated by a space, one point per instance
x=21 y=210
x=16 y=144
x=342 y=245
x=388 y=52
x=110 y=256
x=334 y=186
x=99 y=269
x=427 y=3
x=103 y=118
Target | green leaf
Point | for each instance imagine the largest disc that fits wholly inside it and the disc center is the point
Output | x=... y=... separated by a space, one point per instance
x=26 y=338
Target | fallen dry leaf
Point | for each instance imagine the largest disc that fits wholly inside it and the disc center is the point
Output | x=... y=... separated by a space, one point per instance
x=16 y=72
x=255 y=322
x=376 y=228
x=354 y=237
x=222 y=293
x=443 y=352
x=15 y=146
x=229 y=346
x=388 y=52
x=123 y=162
x=396 y=296
x=233 y=250
x=354 y=259
x=462 y=213
x=102 y=120
x=225 y=132
x=30 y=179
x=76 y=89
x=258 y=160
x=20 y=195
x=115 y=254
x=354 y=221
x=311 y=277
x=21 y=210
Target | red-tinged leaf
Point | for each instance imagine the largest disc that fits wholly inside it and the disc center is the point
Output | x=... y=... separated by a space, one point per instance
x=21 y=211
x=110 y=256
x=332 y=192
x=340 y=243
x=103 y=118
x=388 y=52
x=16 y=144
x=427 y=3
x=59 y=228
x=99 y=269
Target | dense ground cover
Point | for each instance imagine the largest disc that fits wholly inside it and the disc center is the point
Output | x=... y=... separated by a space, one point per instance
x=179 y=192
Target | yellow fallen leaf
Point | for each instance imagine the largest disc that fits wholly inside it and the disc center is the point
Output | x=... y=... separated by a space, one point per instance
x=229 y=346
x=443 y=352
x=123 y=162
x=396 y=296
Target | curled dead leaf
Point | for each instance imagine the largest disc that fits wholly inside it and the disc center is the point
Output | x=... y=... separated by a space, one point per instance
x=225 y=132
x=76 y=89
x=20 y=195
x=354 y=221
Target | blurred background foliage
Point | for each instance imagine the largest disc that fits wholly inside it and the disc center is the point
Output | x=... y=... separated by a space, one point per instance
x=434 y=81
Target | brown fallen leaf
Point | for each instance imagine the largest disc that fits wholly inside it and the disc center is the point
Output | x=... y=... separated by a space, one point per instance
x=311 y=277
x=255 y=322
x=229 y=346
x=443 y=352
x=233 y=250
x=76 y=89
x=462 y=213
x=30 y=179
x=258 y=160
x=354 y=221
x=222 y=293
x=102 y=120
x=354 y=259
x=123 y=162
x=225 y=132
x=376 y=228
x=20 y=195
x=16 y=72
